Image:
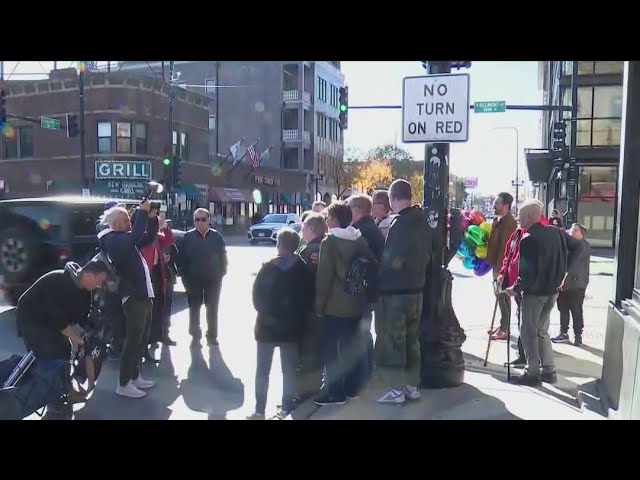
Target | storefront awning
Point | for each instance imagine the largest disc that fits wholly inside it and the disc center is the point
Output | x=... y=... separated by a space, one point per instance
x=190 y=191
x=539 y=165
x=229 y=195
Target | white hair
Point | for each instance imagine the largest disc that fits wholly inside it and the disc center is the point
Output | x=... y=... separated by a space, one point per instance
x=111 y=215
x=201 y=210
x=530 y=212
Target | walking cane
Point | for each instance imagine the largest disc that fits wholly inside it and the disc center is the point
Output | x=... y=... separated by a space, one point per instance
x=493 y=321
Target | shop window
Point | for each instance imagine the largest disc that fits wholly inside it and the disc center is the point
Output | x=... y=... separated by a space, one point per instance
x=597 y=191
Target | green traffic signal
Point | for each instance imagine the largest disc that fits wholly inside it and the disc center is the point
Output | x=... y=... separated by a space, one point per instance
x=343 y=107
x=166 y=161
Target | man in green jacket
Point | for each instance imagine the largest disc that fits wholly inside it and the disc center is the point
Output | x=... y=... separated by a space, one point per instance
x=340 y=311
x=402 y=275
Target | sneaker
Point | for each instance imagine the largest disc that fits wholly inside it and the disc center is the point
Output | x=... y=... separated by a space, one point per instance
x=517 y=363
x=526 y=379
x=411 y=392
x=282 y=414
x=499 y=335
x=549 y=377
x=393 y=396
x=562 y=338
x=329 y=400
x=255 y=416
x=143 y=384
x=578 y=341
x=130 y=390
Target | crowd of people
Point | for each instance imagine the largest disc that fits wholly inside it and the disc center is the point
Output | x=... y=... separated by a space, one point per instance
x=352 y=264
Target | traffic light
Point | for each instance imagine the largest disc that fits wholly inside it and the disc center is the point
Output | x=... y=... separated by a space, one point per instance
x=167 y=168
x=559 y=135
x=3 y=107
x=72 y=125
x=344 y=107
x=177 y=171
x=458 y=64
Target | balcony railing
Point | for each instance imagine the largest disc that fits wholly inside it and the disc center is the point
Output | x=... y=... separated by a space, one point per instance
x=293 y=135
x=294 y=95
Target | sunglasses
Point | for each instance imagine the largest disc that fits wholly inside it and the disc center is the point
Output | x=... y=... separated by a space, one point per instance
x=202 y=219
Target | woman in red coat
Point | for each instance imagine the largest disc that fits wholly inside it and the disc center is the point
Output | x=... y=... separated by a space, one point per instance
x=155 y=258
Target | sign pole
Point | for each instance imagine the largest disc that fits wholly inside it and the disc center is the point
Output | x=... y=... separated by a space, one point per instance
x=441 y=337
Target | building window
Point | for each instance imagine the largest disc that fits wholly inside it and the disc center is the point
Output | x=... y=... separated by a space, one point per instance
x=184 y=147
x=322 y=89
x=104 y=137
x=212 y=122
x=210 y=86
x=141 y=139
x=599 y=116
x=174 y=143
x=585 y=68
x=599 y=68
x=597 y=190
x=123 y=137
x=19 y=145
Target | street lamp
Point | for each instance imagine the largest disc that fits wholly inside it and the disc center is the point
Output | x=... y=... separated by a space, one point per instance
x=517 y=182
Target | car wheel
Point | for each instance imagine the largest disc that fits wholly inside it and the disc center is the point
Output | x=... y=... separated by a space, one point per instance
x=18 y=254
x=253 y=241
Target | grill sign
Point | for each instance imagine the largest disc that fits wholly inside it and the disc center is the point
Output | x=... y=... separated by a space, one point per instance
x=123 y=170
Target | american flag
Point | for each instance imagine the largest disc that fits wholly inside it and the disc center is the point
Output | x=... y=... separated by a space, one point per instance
x=253 y=156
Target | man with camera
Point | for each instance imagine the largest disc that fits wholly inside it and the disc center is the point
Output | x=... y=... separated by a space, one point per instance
x=121 y=242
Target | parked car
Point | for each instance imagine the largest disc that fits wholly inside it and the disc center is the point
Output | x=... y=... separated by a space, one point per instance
x=267 y=228
x=38 y=235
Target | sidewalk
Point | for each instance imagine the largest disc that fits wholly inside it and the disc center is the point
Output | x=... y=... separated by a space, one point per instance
x=486 y=393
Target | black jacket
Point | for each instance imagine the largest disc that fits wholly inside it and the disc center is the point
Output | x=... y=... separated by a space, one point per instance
x=372 y=235
x=405 y=260
x=283 y=298
x=54 y=302
x=578 y=264
x=309 y=249
x=122 y=248
x=543 y=260
x=202 y=258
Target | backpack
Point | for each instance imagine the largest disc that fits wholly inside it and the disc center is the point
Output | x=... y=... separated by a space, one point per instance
x=357 y=279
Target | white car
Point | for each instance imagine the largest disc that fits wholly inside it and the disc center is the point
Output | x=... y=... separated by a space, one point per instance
x=267 y=229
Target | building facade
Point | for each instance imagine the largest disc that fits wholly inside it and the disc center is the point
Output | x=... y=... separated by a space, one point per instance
x=593 y=90
x=290 y=108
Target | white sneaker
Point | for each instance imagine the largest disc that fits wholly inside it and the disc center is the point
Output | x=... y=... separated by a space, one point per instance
x=393 y=396
x=411 y=392
x=143 y=384
x=130 y=390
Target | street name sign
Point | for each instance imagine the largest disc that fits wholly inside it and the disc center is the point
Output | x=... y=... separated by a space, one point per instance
x=435 y=108
x=490 y=107
x=470 y=182
x=49 y=123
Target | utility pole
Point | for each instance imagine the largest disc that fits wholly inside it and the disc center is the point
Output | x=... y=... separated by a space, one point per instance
x=170 y=190
x=83 y=167
x=441 y=337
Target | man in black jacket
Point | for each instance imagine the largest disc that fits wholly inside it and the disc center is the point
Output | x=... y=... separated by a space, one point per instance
x=571 y=296
x=282 y=296
x=48 y=310
x=402 y=277
x=202 y=260
x=314 y=228
x=543 y=267
x=361 y=208
x=121 y=242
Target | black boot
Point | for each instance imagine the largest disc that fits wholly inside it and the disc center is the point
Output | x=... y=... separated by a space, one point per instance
x=578 y=340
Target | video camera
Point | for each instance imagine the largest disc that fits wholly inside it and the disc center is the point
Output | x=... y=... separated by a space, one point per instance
x=153 y=188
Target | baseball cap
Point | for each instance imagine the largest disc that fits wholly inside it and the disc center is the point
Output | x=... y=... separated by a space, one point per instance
x=110 y=205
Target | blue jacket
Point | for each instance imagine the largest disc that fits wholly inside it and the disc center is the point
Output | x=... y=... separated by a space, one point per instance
x=122 y=248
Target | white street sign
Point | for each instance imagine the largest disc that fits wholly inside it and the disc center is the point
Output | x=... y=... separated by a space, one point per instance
x=435 y=108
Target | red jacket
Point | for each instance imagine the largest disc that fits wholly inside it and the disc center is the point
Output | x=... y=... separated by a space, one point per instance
x=510 y=263
x=163 y=241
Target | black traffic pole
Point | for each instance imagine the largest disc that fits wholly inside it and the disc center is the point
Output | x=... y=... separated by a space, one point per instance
x=171 y=179
x=83 y=166
x=441 y=337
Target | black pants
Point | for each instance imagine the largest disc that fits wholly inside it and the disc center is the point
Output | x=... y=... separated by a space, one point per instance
x=157 y=312
x=46 y=343
x=114 y=314
x=137 y=315
x=571 y=301
x=311 y=367
x=341 y=354
x=520 y=347
x=209 y=292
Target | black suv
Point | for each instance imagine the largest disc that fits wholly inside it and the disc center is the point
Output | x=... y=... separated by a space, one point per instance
x=38 y=235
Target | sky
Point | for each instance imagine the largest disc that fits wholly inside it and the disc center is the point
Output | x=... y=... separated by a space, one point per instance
x=489 y=154
x=491 y=150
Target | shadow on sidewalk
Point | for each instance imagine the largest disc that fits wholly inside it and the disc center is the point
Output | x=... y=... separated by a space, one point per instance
x=465 y=402
x=211 y=388
x=572 y=373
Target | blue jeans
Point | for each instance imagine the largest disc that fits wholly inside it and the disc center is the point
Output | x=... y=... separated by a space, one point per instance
x=289 y=356
x=341 y=350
